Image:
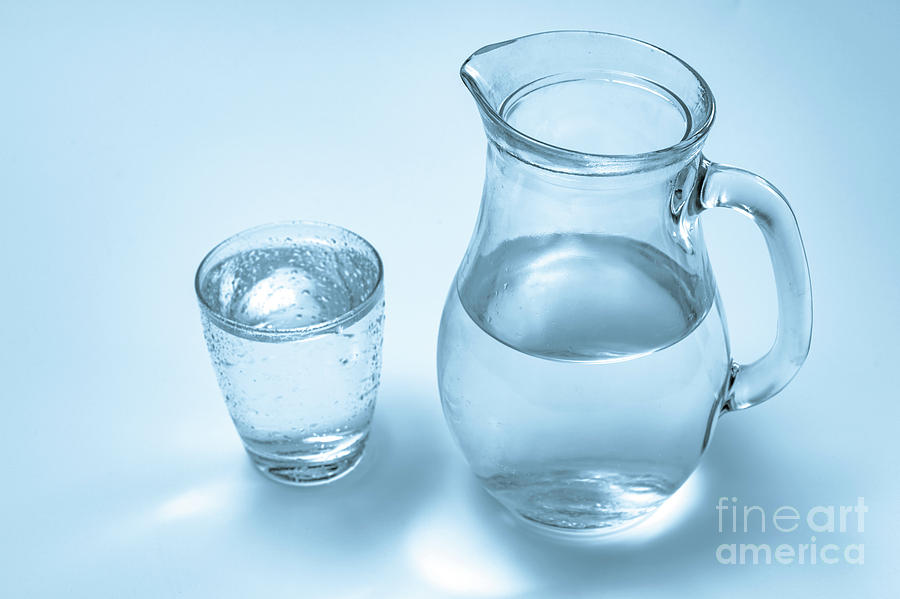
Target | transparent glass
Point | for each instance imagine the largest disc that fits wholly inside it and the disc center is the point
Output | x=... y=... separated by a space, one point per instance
x=583 y=358
x=293 y=316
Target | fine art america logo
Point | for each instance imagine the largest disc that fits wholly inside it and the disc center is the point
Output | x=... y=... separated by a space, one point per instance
x=821 y=529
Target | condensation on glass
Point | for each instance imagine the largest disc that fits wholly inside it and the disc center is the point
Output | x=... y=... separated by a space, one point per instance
x=293 y=316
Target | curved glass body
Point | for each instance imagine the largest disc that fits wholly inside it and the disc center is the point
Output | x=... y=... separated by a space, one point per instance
x=583 y=357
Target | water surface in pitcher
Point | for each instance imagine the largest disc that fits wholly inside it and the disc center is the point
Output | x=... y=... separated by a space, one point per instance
x=581 y=375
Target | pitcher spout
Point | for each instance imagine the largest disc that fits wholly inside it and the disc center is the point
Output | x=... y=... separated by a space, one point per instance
x=557 y=101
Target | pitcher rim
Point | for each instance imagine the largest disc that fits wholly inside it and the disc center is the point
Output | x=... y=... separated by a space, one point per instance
x=576 y=162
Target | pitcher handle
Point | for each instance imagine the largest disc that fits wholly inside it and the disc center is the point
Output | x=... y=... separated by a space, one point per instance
x=753 y=196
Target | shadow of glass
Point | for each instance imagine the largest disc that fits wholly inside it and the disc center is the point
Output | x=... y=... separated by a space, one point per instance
x=369 y=507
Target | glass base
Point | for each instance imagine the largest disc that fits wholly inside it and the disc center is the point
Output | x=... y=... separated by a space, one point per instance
x=304 y=471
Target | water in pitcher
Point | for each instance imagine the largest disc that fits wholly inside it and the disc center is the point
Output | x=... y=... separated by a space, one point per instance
x=307 y=397
x=581 y=375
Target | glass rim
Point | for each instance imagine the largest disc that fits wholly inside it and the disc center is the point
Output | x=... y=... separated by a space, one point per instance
x=586 y=163
x=295 y=333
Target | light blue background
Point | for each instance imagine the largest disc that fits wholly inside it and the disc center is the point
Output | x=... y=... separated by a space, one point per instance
x=135 y=137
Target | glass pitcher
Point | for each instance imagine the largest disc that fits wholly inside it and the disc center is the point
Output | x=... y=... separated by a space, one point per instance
x=583 y=357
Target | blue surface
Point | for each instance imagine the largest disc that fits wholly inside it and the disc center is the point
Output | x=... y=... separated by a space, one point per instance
x=134 y=138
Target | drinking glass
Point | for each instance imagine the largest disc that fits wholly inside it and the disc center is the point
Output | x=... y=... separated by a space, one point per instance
x=293 y=316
